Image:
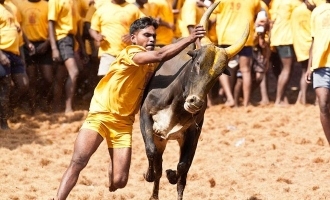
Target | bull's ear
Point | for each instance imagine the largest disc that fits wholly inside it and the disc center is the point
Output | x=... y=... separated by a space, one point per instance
x=227 y=72
x=192 y=53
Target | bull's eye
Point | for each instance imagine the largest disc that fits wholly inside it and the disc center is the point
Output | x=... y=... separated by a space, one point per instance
x=197 y=66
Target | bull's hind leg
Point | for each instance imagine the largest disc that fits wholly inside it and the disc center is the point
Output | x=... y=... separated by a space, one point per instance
x=147 y=133
x=151 y=152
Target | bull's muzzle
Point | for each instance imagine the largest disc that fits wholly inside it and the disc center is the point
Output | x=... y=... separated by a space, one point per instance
x=193 y=104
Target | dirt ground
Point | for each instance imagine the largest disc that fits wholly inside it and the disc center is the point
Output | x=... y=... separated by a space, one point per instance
x=258 y=152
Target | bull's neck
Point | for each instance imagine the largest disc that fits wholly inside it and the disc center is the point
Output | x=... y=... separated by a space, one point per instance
x=182 y=79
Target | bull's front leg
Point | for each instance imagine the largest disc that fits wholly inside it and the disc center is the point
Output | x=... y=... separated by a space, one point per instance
x=187 y=148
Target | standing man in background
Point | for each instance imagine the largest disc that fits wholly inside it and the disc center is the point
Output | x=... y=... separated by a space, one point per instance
x=232 y=17
x=62 y=27
x=319 y=62
x=302 y=40
x=161 y=10
x=110 y=30
x=282 y=40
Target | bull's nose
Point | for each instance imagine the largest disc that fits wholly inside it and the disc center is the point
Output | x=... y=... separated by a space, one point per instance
x=195 y=101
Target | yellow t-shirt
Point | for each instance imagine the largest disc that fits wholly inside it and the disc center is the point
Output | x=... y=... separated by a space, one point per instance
x=232 y=17
x=99 y=3
x=301 y=31
x=90 y=12
x=9 y=37
x=177 y=33
x=65 y=16
x=212 y=32
x=320 y=29
x=146 y=10
x=113 y=21
x=190 y=15
x=163 y=10
x=82 y=6
x=316 y=2
x=34 y=20
x=120 y=91
x=13 y=8
x=281 y=33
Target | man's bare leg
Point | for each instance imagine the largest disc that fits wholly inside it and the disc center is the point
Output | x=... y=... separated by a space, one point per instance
x=21 y=82
x=323 y=96
x=238 y=91
x=245 y=68
x=31 y=71
x=263 y=91
x=85 y=145
x=71 y=83
x=119 y=167
x=60 y=76
x=282 y=81
x=225 y=84
x=303 y=85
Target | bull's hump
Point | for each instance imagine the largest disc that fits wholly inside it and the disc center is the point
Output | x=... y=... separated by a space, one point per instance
x=165 y=125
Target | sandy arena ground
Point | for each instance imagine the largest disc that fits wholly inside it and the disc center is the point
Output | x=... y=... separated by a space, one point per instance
x=255 y=153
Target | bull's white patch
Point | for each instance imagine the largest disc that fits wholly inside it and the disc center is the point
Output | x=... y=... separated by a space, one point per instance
x=164 y=125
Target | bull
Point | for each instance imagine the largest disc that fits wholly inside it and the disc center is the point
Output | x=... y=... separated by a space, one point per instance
x=174 y=104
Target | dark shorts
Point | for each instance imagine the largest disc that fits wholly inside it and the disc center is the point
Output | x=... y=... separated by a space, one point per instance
x=16 y=65
x=321 y=78
x=285 y=51
x=247 y=51
x=3 y=71
x=65 y=46
x=39 y=59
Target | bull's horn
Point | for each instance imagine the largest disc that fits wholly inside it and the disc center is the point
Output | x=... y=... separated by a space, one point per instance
x=235 y=48
x=205 y=22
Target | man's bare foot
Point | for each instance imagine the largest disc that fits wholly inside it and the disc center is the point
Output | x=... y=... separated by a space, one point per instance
x=263 y=102
x=230 y=103
x=282 y=104
x=68 y=110
x=300 y=102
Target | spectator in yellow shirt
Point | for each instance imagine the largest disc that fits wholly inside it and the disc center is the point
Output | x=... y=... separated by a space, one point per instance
x=319 y=62
x=20 y=80
x=232 y=16
x=62 y=28
x=281 y=39
x=162 y=11
x=35 y=26
x=110 y=30
x=302 y=40
x=11 y=64
x=116 y=101
x=143 y=6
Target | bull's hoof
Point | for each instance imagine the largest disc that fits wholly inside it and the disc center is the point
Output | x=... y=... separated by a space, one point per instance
x=171 y=176
x=149 y=176
x=154 y=198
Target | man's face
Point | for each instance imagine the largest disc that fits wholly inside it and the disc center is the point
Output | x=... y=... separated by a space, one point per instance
x=145 y=37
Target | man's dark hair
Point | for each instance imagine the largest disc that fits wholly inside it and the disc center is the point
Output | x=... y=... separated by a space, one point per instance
x=142 y=23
